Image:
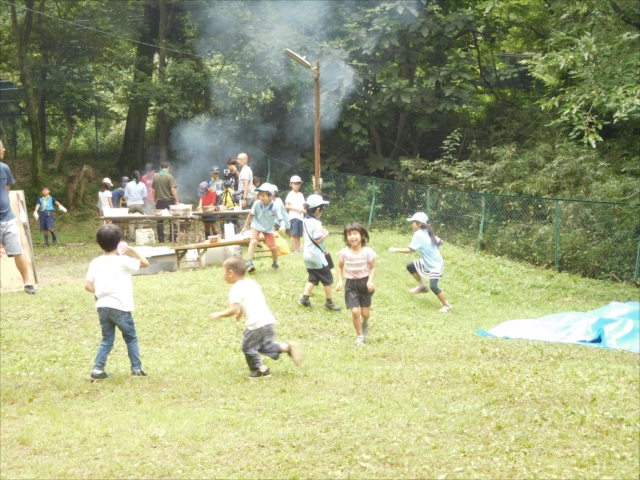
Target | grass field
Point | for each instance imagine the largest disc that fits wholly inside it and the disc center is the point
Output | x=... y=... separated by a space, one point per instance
x=425 y=398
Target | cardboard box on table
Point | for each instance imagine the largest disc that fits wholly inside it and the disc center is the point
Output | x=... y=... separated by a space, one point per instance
x=10 y=277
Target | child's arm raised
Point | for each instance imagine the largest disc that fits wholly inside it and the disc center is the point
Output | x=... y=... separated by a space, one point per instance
x=234 y=309
x=143 y=261
x=400 y=250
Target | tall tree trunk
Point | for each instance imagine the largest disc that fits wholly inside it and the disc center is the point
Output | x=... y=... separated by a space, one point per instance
x=42 y=95
x=162 y=55
x=69 y=121
x=22 y=34
x=417 y=142
x=133 y=145
x=401 y=135
x=376 y=139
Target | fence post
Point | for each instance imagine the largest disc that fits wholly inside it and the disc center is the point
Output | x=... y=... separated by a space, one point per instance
x=557 y=235
x=481 y=232
x=373 y=204
x=268 y=169
x=15 y=138
x=429 y=202
x=635 y=275
x=95 y=116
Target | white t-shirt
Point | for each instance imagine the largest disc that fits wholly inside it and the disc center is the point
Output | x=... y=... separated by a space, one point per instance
x=104 y=199
x=246 y=173
x=111 y=276
x=295 y=199
x=248 y=294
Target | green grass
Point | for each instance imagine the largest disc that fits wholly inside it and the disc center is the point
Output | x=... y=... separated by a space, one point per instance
x=426 y=397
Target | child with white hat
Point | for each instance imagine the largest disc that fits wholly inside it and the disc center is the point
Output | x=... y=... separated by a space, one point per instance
x=430 y=264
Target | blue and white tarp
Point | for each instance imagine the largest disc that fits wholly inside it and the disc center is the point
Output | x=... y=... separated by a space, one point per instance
x=616 y=325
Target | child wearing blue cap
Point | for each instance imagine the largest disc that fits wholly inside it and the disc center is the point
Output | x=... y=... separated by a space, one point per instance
x=430 y=264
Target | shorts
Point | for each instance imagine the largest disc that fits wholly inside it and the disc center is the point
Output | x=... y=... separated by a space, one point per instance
x=320 y=275
x=209 y=219
x=269 y=237
x=46 y=220
x=10 y=238
x=356 y=293
x=296 y=227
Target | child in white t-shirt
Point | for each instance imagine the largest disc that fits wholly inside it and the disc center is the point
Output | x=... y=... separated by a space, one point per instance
x=246 y=299
x=360 y=263
x=295 y=204
x=109 y=279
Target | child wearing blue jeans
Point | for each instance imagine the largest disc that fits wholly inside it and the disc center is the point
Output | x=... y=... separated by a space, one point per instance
x=430 y=264
x=109 y=279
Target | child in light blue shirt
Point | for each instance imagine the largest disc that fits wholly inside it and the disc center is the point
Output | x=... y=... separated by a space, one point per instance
x=262 y=219
x=430 y=264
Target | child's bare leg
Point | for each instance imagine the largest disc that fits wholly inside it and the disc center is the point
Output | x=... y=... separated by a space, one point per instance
x=355 y=318
x=308 y=288
x=365 y=312
x=443 y=299
x=252 y=248
x=295 y=243
x=417 y=277
x=274 y=254
x=327 y=291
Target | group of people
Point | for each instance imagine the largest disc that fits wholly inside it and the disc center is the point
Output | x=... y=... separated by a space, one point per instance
x=356 y=264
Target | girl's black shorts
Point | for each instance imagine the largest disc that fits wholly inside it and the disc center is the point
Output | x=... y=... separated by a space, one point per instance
x=356 y=293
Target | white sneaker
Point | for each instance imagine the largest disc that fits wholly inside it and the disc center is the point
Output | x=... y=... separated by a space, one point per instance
x=420 y=289
x=445 y=309
x=360 y=340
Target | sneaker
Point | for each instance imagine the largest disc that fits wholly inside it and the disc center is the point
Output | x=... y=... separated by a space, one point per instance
x=30 y=289
x=332 y=306
x=365 y=327
x=445 y=309
x=257 y=373
x=274 y=267
x=139 y=373
x=420 y=289
x=295 y=353
x=306 y=303
x=359 y=340
x=98 y=374
x=251 y=268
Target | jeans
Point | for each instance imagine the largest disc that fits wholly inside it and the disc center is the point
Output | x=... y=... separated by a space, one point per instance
x=110 y=318
x=161 y=205
x=260 y=341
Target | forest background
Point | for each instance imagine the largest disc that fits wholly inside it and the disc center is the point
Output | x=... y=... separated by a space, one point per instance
x=526 y=97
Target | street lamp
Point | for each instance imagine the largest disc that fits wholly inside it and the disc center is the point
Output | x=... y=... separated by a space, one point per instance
x=315 y=71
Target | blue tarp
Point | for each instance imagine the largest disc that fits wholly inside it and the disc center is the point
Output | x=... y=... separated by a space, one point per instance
x=616 y=325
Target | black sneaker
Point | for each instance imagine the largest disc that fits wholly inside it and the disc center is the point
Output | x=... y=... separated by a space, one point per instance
x=30 y=289
x=306 y=303
x=274 y=267
x=257 y=373
x=139 y=373
x=98 y=374
x=251 y=268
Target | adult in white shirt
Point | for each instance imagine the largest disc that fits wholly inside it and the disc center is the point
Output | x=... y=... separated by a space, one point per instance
x=245 y=181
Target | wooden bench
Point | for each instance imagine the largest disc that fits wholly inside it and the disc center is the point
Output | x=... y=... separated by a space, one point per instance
x=201 y=249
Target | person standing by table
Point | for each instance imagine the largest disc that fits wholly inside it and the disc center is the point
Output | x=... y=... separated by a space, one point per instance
x=147 y=179
x=105 y=200
x=208 y=198
x=118 y=194
x=245 y=182
x=135 y=193
x=217 y=183
x=165 y=194
x=9 y=233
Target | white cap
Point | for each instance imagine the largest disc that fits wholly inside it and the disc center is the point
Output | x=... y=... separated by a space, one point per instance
x=315 y=201
x=106 y=180
x=295 y=179
x=266 y=187
x=419 y=217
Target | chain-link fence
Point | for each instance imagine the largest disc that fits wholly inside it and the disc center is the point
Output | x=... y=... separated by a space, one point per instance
x=594 y=239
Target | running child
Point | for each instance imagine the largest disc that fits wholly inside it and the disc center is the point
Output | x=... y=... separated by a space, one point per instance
x=246 y=299
x=109 y=279
x=262 y=219
x=430 y=263
x=45 y=204
x=295 y=204
x=360 y=263
x=315 y=259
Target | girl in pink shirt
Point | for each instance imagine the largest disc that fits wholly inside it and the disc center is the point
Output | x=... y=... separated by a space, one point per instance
x=360 y=263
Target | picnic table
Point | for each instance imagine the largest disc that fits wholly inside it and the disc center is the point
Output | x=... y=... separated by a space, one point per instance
x=185 y=225
x=201 y=249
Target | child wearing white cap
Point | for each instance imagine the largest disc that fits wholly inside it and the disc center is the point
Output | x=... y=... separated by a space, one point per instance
x=430 y=264
x=295 y=204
